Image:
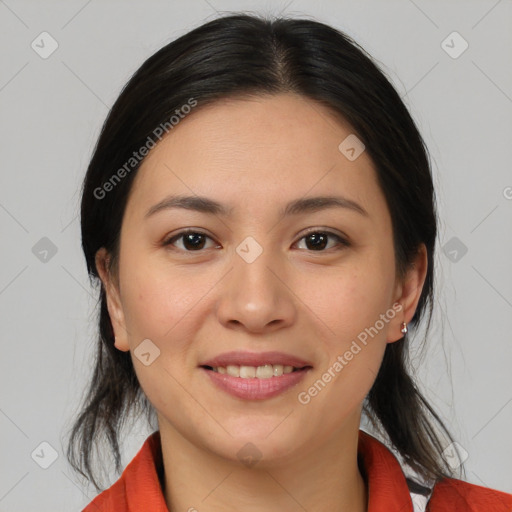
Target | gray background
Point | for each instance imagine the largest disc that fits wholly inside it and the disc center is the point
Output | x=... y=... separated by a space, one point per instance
x=51 y=113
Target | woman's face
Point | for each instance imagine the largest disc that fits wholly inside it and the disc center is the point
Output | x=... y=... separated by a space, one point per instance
x=256 y=280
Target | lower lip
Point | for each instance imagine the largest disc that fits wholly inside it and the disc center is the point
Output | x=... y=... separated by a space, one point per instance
x=254 y=388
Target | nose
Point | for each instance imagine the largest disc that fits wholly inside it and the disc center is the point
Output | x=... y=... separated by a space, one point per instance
x=256 y=296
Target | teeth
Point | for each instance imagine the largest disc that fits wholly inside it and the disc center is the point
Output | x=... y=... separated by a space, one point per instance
x=233 y=370
x=250 y=372
x=278 y=370
x=247 y=372
x=265 y=372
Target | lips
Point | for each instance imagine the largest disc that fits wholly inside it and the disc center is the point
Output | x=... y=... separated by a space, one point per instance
x=255 y=389
x=239 y=373
x=240 y=358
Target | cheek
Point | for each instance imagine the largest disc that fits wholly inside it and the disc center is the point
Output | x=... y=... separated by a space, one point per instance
x=159 y=306
x=353 y=346
x=156 y=303
x=355 y=306
x=165 y=306
x=352 y=304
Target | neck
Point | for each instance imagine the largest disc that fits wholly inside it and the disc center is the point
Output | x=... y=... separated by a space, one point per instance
x=324 y=477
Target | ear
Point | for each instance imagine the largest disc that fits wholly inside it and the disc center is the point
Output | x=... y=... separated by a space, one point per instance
x=408 y=292
x=114 y=306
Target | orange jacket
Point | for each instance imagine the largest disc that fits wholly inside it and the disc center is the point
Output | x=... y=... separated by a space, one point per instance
x=138 y=489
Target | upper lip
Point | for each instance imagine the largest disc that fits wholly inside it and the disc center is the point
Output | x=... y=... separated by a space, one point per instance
x=241 y=358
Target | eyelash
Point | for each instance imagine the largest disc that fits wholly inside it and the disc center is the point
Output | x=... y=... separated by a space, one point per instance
x=341 y=241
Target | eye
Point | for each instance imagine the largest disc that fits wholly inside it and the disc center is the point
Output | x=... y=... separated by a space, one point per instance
x=318 y=239
x=191 y=240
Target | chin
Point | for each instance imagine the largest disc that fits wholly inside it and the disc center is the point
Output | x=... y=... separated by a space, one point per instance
x=265 y=445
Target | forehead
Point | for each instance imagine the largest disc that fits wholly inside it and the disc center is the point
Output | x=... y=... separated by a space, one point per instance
x=255 y=153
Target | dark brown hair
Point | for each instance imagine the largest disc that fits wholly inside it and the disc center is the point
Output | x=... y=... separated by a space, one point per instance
x=248 y=55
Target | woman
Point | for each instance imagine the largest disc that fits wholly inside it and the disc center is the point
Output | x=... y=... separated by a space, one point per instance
x=260 y=211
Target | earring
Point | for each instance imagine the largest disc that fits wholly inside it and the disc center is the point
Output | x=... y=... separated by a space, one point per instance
x=403 y=330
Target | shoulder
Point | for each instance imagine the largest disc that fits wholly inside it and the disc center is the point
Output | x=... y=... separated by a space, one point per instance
x=112 y=499
x=139 y=487
x=451 y=494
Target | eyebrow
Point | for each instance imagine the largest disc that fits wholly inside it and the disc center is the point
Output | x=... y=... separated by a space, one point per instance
x=295 y=207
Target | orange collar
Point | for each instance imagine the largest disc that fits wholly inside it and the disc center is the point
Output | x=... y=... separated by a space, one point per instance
x=139 y=487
